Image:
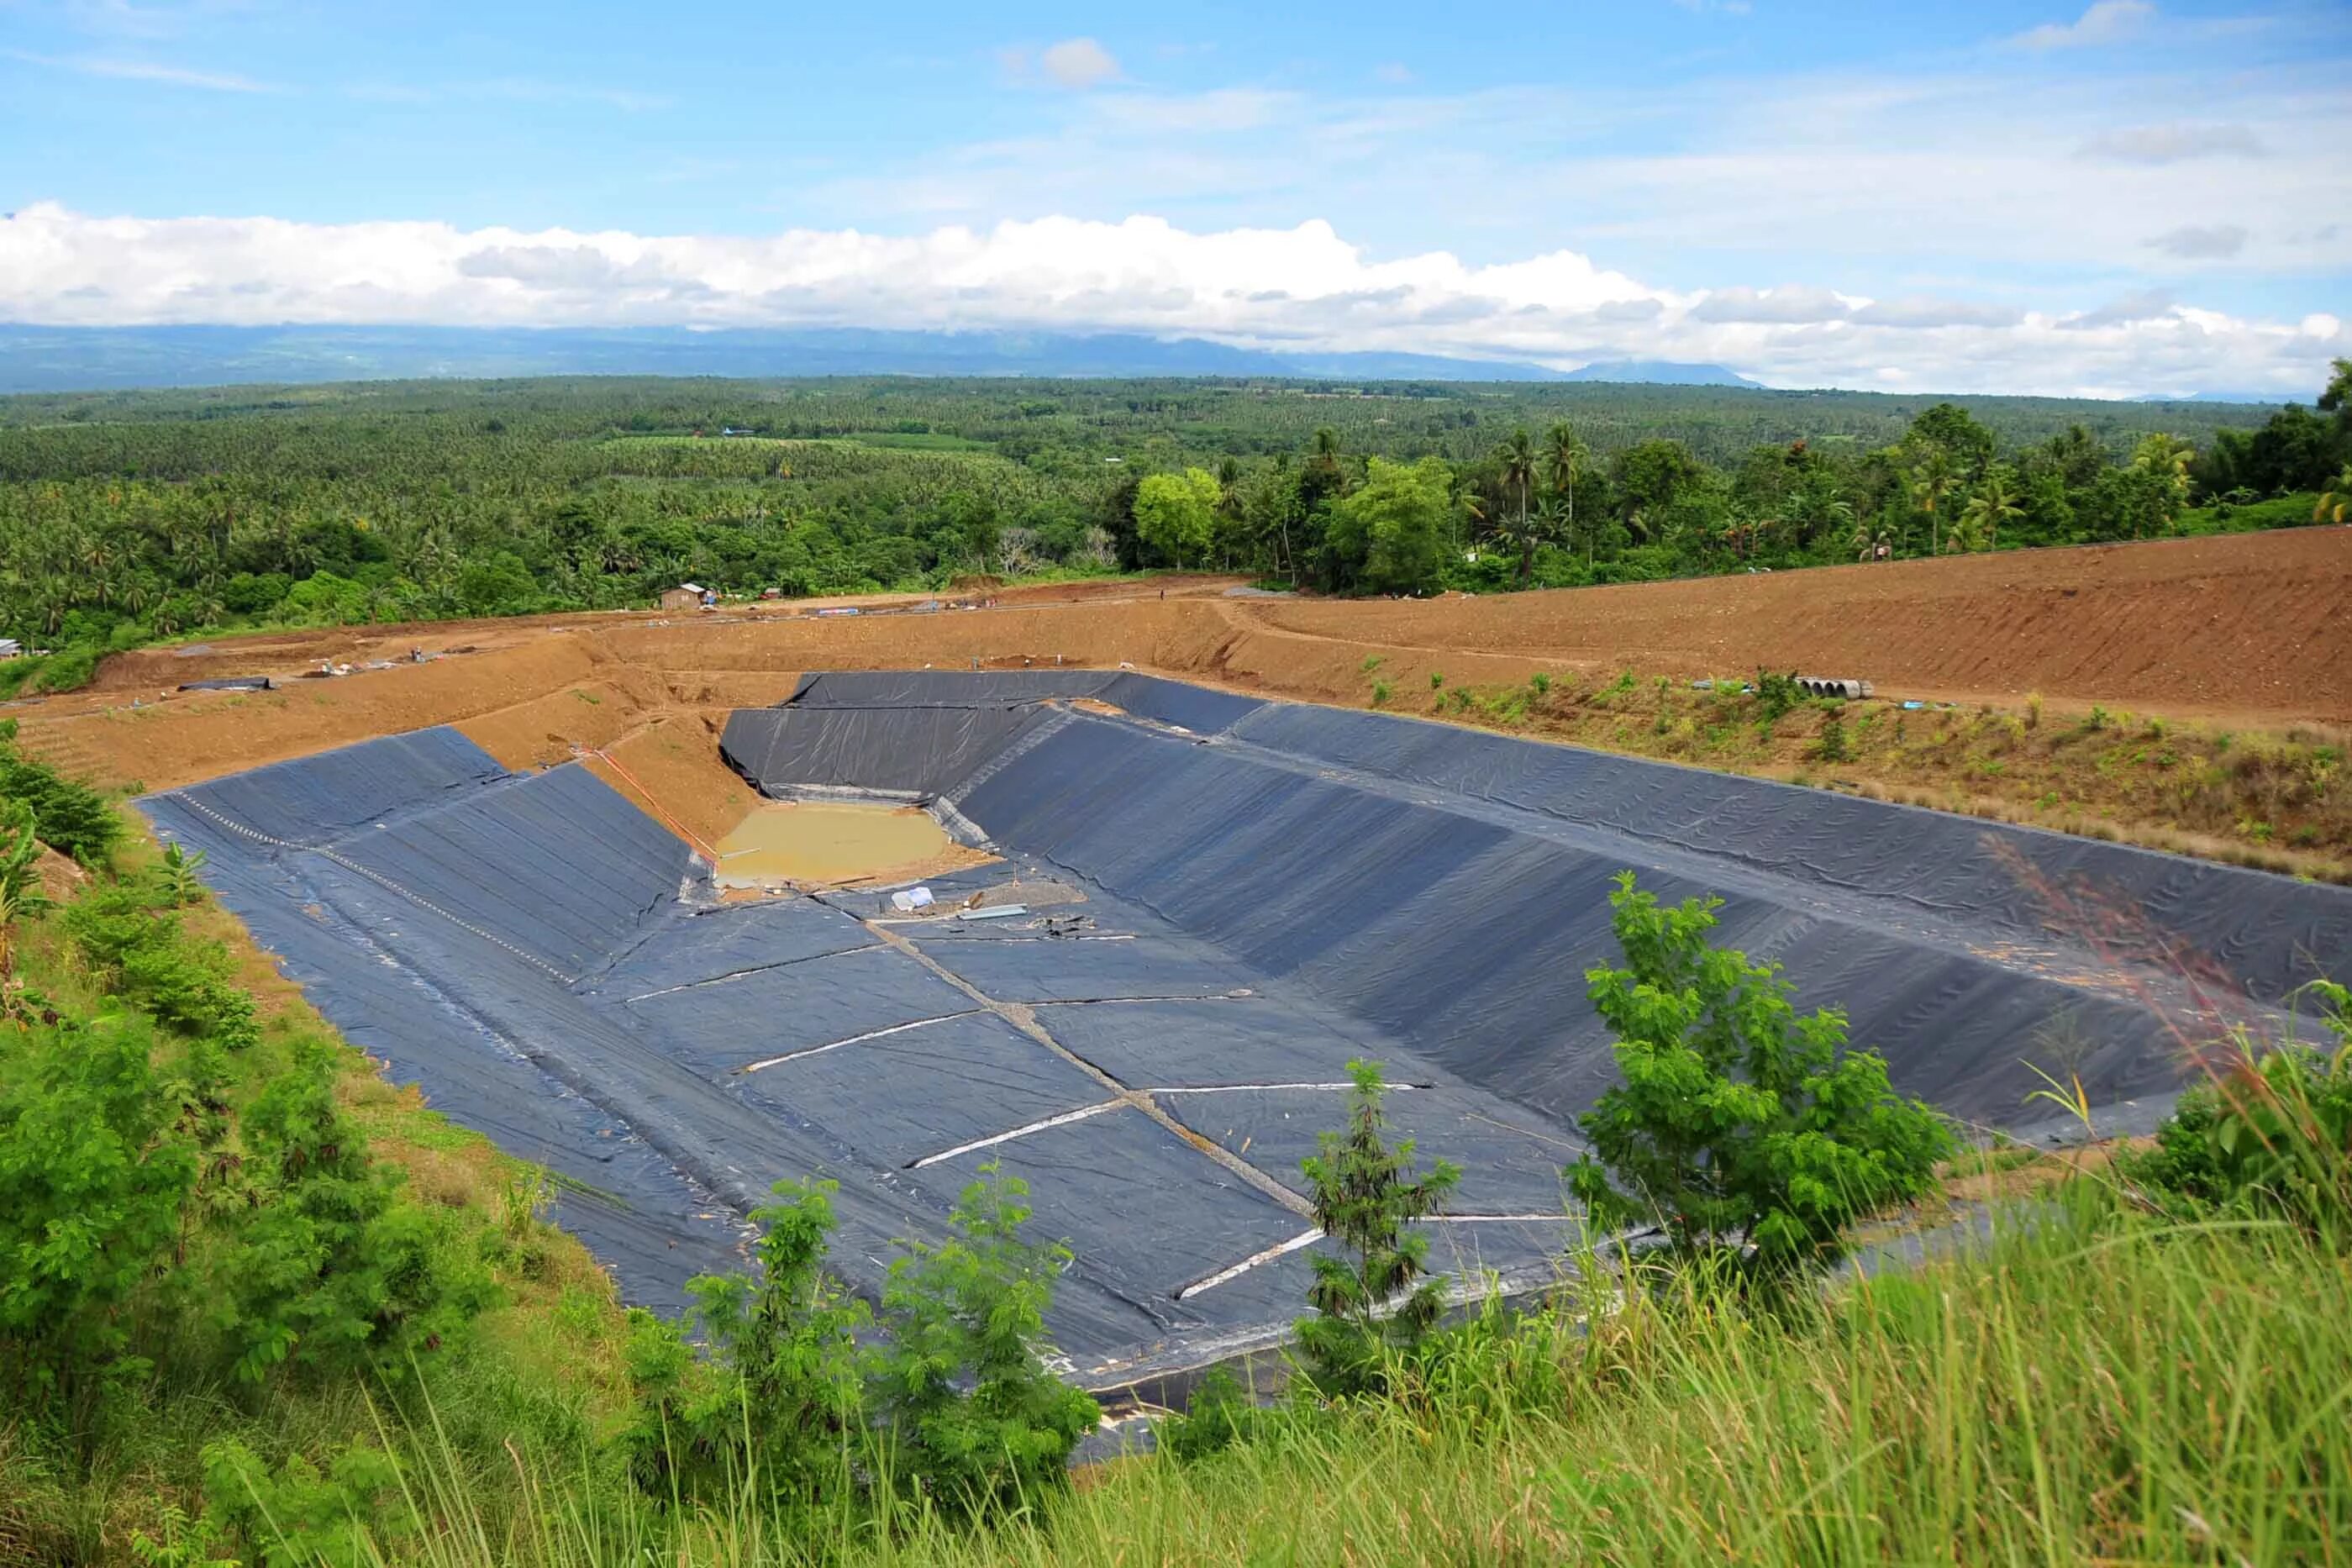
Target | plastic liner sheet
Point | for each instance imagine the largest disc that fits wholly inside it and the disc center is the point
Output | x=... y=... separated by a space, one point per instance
x=1177 y=703
x=1464 y=925
x=1250 y=914
x=981 y=1076
x=2266 y=934
x=1510 y=1161
x=669 y=1059
x=909 y=750
x=229 y=683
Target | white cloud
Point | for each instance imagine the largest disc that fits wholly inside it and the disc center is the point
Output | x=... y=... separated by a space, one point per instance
x=143 y=71
x=1921 y=313
x=1080 y=62
x=2193 y=242
x=1787 y=305
x=1302 y=286
x=2106 y=22
x=1393 y=73
x=2158 y=145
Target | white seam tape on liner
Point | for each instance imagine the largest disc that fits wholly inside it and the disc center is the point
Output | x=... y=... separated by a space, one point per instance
x=1225 y=1275
x=1061 y=1121
x=1269 y=1087
x=854 y=1039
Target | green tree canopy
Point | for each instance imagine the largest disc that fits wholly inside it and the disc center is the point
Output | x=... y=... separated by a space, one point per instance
x=1176 y=514
x=1395 y=525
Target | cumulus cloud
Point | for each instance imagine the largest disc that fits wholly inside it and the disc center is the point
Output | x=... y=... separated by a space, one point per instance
x=1303 y=286
x=2160 y=144
x=1787 y=305
x=1075 y=63
x=2147 y=305
x=2194 y=242
x=1921 y=313
x=2106 y=22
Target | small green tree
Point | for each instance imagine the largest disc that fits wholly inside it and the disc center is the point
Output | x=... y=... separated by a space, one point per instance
x=1377 y=1297
x=960 y=1381
x=332 y=1270
x=1739 y=1125
x=1176 y=514
x=74 y=819
x=92 y=1179
x=774 y=1408
x=20 y=846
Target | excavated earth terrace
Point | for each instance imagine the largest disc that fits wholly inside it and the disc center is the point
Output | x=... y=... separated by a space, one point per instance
x=1203 y=907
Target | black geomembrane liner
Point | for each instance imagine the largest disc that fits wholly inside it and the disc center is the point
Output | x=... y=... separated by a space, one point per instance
x=1262 y=892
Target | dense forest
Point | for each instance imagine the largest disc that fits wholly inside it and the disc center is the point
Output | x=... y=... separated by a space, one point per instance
x=127 y=517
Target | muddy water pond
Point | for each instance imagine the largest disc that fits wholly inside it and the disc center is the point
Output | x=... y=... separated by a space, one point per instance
x=826 y=842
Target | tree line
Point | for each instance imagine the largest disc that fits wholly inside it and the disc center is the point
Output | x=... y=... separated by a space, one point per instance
x=133 y=517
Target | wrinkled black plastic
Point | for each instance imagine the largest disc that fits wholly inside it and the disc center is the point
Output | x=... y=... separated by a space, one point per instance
x=1248 y=896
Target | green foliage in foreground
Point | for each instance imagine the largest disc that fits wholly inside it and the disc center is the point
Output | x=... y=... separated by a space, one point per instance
x=948 y=1402
x=1741 y=1128
x=2269 y=1133
x=72 y=818
x=2094 y=1384
x=1375 y=1299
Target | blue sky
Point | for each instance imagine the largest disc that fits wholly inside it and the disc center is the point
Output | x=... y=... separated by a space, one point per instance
x=2123 y=196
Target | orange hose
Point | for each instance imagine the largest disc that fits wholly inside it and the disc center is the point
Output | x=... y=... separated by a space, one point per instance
x=674 y=824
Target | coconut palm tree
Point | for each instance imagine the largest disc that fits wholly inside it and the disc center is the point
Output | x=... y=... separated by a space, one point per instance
x=1933 y=480
x=1993 y=504
x=2168 y=457
x=1518 y=458
x=1564 y=455
x=2336 y=501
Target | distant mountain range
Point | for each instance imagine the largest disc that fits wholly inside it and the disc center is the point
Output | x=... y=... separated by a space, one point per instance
x=105 y=359
x=71 y=359
x=1661 y=371
x=78 y=359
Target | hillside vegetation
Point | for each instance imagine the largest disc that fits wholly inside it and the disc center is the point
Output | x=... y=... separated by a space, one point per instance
x=259 y=1308
x=130 y=517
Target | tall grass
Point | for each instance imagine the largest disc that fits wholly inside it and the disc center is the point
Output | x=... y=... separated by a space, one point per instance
x=2093 y=1383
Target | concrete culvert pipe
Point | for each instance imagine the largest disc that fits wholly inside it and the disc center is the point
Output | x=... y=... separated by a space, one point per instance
x=1823 y=686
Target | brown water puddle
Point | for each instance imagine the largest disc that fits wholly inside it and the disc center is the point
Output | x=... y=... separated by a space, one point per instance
x=828 y=842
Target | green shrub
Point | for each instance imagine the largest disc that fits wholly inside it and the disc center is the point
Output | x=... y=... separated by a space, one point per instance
x=1776 y=694
x=92 y=1181
x=1830 y=745
x=1218 y=1415
x=2271 y=1133
x=1375 y=1297
x=300 y=1518
x=332 y=1271
x=137 y=950
x=771 y=1411
x=72 y=818
x=964 y=1396
x=1739 y=1124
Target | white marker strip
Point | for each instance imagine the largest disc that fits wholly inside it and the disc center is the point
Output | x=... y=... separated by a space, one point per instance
x=854 y=1039
x=1226 y=1276
x=1061 y=1121
x=1268 y=1087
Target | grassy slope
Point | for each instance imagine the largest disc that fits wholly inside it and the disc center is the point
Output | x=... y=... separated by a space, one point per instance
x=2090 y=1384
x=547 y=1360
x=2278 y=802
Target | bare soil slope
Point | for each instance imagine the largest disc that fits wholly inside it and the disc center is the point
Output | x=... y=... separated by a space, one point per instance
x=2250 y=631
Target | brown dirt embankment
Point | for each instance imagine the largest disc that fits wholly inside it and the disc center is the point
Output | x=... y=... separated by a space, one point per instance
x=2250 y=632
